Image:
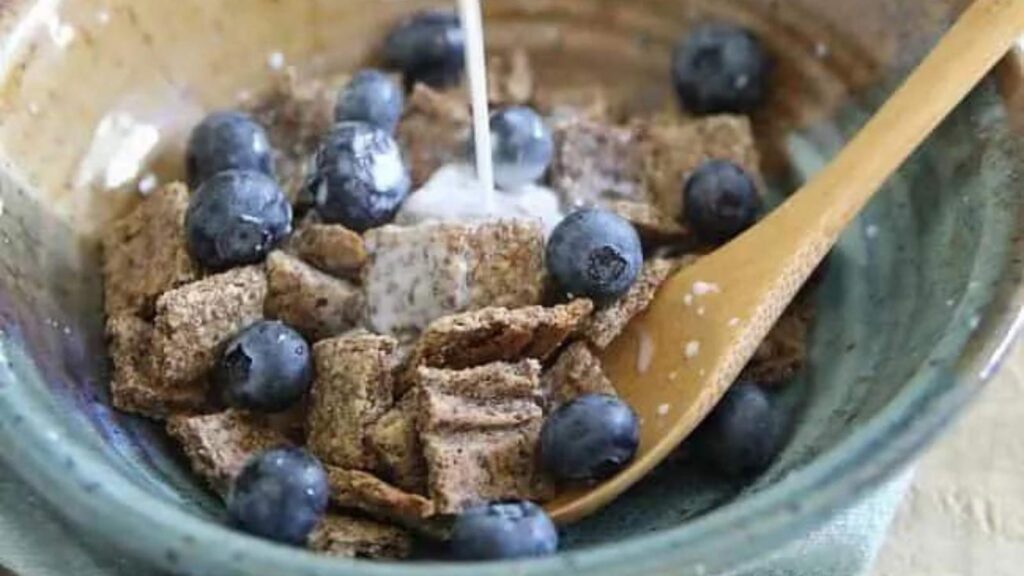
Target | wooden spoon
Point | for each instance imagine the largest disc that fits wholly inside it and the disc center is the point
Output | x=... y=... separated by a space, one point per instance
x=708 y=319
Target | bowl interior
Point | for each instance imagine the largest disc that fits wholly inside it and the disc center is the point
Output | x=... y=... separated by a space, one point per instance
x=99 y=95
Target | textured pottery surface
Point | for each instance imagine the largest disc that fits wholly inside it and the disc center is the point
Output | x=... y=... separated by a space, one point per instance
x=917 y=300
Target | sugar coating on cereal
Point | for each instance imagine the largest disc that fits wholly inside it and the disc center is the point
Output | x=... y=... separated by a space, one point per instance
x=352 y=537
x=577 y=371
x=418 y=274
x=145 y=254
x=395 y=443
x=353 y=387
x=498 y=335
x=218 y=445
x=194 y=321
x=331 y=248
x=314 y=303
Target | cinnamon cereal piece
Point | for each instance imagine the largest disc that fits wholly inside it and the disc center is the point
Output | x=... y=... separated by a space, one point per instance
x=145 y=253
x=353 y=387
x=395 y=443
x=133 y=386
x=218 y=445
x=676 y=148
x=332 y=248
x=596 y=162
x=576 y=372
x=351 y=537
x=496 y=395
x=653 y=225
x=479 y=429
x=434 y=131
x=297 y=114
x=572 y=103
x=510 y=78
x=477 y=466
x=784 y=351
x=420 y=273
x=194 y=321
x=314 y=303
x=607 y=323
x=497 y=335
x=358 y=490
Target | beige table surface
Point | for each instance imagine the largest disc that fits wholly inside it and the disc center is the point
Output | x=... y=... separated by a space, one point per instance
x=964 y=515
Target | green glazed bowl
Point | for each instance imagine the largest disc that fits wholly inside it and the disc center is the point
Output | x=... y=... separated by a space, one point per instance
x=919 y=304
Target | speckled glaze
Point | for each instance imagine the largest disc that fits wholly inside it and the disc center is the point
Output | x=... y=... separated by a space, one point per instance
x=917 y=307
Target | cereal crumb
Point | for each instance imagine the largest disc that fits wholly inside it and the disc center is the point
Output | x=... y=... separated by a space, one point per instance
x=663 y=409
x=734 y=322
x=700 y=311
x=688 y=299
x=692 y=349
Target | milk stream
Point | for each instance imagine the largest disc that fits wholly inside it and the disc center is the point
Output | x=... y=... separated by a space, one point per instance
x=476 y=71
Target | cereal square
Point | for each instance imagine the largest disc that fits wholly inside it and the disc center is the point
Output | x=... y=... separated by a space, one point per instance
x=354 y=386
x=576 y=372
x=194 y=321
x=218 y=445
x=351 y=537
x=145 y=253
x=314 y=303
x=418 y=274
x=133 y=386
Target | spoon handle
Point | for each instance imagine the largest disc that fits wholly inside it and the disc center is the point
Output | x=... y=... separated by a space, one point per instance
x=812 y=219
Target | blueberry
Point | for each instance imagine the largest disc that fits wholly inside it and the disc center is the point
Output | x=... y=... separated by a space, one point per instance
x=227 y=141
x=589 y=438
x=265 y=368
x=503 y=531
x=720 y=200
x=720 y=68
x=236 y=218
x=428 y=47
x=743 y=434
x=360 y=178
x=523 y=147
x=280 y=495
x=373 y=98
x=594 y=253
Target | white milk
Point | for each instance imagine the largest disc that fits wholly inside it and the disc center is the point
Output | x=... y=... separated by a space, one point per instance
x=476 y=71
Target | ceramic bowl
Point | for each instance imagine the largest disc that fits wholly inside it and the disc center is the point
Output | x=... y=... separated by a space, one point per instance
x=916 y=310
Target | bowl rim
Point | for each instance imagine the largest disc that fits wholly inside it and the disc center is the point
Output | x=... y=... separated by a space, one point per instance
x=59 y=466
x=733 y=535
